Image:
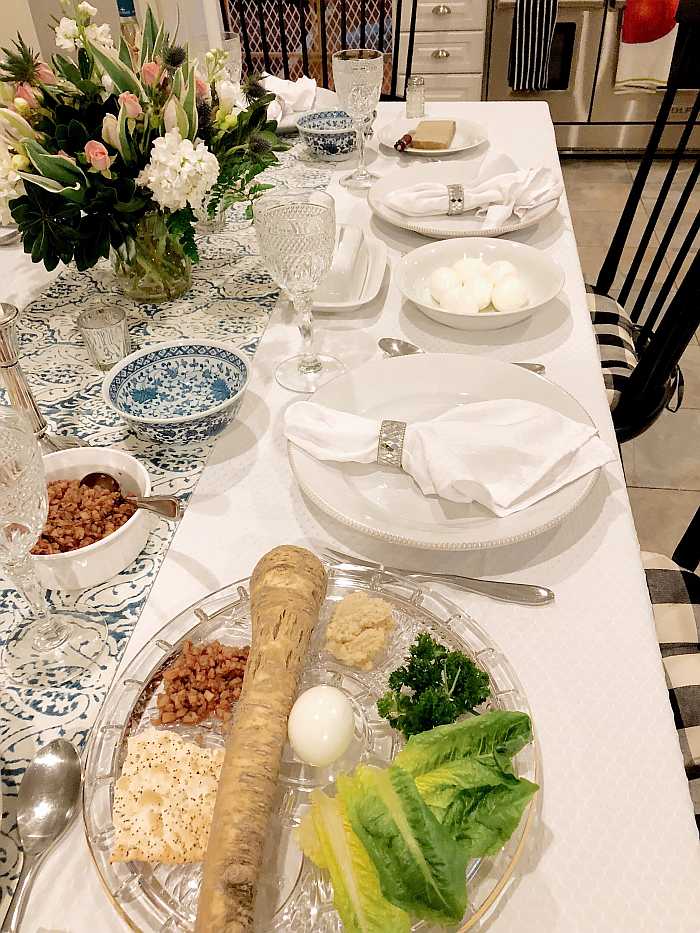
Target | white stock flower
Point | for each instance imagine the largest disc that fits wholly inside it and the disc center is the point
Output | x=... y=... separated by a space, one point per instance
x=87 y=8
x=231 y=97
x=10 y=185
x=107 y=83
x=66 y=33
x=100 y=35
x=179 y=172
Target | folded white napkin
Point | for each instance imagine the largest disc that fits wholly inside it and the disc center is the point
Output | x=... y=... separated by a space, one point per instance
x=504 y=453
x=290 y=96
x=498 y=191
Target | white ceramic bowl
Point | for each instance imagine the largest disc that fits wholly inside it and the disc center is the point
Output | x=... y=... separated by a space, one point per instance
x=95 y=563
x=542 y=276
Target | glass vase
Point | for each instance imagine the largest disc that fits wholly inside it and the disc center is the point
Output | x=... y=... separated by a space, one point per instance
x=154 y=267
x=210 y=224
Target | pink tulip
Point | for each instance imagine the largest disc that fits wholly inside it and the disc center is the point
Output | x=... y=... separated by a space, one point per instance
x=97 y=155
x=26 y=93
x=130 y=103
x=203 y=89
x=150 y=73
x=44 y=74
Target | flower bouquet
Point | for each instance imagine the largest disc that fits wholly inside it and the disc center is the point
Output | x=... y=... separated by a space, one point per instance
x=119 y=151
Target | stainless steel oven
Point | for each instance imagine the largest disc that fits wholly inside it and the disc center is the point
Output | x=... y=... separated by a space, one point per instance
x=588 y=115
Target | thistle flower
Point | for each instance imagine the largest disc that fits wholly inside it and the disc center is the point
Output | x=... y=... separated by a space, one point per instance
x=174 y=56
x=258 y=145
x=253 y=89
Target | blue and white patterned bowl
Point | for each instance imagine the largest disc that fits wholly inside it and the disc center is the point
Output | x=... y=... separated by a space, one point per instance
x=328 y=134
x=178 y=392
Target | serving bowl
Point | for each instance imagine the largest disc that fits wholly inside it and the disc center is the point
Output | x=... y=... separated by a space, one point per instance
x=329 y=134
x=542 y=276
x=95 y=563
x=180 y=392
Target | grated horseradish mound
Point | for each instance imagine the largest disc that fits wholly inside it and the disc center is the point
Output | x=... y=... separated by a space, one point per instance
x=359 y=630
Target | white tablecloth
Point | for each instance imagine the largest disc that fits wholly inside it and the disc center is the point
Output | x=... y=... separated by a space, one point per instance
x=618 y=850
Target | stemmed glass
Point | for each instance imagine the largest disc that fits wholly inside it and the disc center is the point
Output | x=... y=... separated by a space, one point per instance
x=51 y=648
x=358 y=75
x=296 y=235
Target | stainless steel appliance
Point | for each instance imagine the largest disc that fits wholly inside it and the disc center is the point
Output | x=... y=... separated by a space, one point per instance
x=588 y=115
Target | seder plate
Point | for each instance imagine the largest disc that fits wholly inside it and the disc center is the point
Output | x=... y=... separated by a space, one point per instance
x=292 y=894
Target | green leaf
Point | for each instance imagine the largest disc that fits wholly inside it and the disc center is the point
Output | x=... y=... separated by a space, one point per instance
x=182 y=225
x=66 y=68
x=159 y=42
x=496 y=735
x=189 y=104
x=148 y=38
x=84 y=64
x=178 y=83
x=327 y=838
x=124 y=142
x=421 y=868
x=124 y=53
x=57 y=167
x=123 y=77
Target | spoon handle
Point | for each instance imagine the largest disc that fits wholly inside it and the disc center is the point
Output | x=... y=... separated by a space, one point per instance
x=15 y=912
x=166 y=506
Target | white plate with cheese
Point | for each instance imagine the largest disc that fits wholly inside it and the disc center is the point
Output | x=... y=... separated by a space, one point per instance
x=468 y=135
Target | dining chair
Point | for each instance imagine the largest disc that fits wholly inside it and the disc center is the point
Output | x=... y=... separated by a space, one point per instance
x=641 y=338
x=298 y=37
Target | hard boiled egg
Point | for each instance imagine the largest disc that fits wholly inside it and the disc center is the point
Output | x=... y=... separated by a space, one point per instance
x=461 y=301
x=480 y=288
x=509 y=294
x=500 y=269
x=442 y=282
x=321 y=725
x=469 y=268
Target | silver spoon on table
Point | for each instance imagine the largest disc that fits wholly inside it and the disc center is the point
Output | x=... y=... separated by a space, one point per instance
x=49 y=797
x=166 y=506
x=394 y=346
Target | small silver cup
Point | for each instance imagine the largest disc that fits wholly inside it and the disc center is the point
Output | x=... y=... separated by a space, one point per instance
x=105 y=331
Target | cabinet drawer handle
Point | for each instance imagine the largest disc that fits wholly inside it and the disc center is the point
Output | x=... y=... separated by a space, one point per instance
x=440 y=53
x=441 y=9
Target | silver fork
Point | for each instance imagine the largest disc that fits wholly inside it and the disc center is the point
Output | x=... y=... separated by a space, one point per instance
x=525 y=594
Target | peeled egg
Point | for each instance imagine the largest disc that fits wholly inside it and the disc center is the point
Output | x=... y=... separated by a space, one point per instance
x=443 y=281
x=509 y=294
x=481 y=288
x=461 y=301
x=321 y=725
x=500 y=269
x=469 y=268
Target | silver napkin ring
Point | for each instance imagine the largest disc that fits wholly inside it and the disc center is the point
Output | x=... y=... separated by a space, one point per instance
x=455 y=197
x=390 y=449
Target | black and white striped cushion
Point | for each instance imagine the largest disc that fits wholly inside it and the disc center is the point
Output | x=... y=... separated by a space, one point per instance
x=675 y=597
x=614 y=333
x=531 y=44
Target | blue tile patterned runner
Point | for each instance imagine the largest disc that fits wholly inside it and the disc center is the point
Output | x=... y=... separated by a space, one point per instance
x=231 y=299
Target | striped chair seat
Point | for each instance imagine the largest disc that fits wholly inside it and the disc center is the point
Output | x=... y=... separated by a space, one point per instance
x=614 y=333
x=675 y=597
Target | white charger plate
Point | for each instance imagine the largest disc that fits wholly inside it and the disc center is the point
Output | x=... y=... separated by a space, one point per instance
x=442 y=226
x=468 y=135
x=386 y=503
x=542 y=276
x=376 y=267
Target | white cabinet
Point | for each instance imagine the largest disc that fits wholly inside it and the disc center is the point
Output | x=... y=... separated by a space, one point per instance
x=448 y=47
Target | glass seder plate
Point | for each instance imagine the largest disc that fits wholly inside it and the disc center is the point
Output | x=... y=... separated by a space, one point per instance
x=292 y=893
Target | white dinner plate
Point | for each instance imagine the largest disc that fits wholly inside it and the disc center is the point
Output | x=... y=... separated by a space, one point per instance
x=468 y=135
x=542 y=277
x=373 y=277
x=324 y=100
x=386 y=503
x=441 y=226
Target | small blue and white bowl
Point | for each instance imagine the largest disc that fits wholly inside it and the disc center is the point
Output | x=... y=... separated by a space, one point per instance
x=328 y=134
x=181 y=392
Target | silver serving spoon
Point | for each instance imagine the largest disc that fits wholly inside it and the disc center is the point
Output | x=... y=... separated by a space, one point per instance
x=166 y=506
x=393 y=346
x=49 y=797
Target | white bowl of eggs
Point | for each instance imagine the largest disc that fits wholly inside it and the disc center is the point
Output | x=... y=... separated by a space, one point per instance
x=480 y=283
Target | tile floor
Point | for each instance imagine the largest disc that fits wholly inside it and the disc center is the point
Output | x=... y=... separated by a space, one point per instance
x=663 y=465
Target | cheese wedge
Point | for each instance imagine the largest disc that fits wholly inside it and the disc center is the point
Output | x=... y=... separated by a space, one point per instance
x=433 y=134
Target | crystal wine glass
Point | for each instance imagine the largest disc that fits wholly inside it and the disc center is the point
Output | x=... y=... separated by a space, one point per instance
x=50 y=648
x=296 y=235
x=358 y=76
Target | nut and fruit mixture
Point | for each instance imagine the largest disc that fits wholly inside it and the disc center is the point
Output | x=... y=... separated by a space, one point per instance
x=79 y=515
x=203 y=681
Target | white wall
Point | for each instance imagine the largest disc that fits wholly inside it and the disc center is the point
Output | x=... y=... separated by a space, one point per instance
x=16 y=17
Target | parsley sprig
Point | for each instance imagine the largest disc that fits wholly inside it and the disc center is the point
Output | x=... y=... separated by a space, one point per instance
x=433 y=688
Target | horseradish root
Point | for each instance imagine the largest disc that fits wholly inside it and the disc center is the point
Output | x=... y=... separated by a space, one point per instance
x=287 y=590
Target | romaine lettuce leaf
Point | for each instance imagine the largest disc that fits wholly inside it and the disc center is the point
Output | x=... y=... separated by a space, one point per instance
x=498 y=735
x=327 y=838
x=421 y=868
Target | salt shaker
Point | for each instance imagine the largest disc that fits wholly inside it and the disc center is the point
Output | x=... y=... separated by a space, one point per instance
x=415 y=97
